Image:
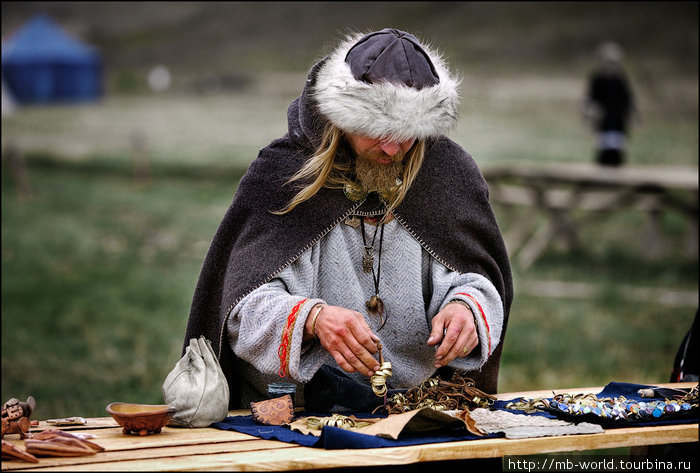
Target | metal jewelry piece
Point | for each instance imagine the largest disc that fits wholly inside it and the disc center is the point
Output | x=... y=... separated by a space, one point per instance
x=354 y=192
x=368 y=259
x=379 y=377
x=618 y=408
x=335 y=420
x=313 y=321
x=389 y=194
x=459 y=392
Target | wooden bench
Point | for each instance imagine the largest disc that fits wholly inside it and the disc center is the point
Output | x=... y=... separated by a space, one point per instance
x=571 y=195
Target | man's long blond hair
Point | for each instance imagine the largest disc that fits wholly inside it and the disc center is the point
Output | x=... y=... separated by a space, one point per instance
x=324 y=170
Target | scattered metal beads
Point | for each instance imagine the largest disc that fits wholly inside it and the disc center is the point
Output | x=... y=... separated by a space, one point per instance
x=618 y=408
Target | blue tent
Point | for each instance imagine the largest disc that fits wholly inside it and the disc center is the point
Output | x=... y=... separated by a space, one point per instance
x=43 y=63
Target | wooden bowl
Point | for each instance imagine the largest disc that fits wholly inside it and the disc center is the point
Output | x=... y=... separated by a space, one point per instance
x=141 y=419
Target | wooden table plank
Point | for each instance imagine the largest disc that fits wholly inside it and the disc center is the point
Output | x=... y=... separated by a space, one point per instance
x=130 y=459
x=92 y=423
x=272 y=455
x=113 y=438
x=305 y=458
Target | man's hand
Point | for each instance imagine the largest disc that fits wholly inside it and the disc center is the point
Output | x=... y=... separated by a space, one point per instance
x=346 y=336
x=455 y=331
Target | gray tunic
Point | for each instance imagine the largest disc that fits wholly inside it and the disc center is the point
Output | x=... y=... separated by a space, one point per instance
x=413 y=285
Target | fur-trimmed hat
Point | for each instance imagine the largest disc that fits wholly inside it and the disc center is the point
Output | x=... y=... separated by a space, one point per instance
x=387 y=84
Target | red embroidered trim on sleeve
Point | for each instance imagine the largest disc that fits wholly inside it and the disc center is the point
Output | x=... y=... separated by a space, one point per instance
x=283 y=350
x=483 y=316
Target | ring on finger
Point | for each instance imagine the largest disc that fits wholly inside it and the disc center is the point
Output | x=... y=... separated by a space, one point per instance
x=464 y=350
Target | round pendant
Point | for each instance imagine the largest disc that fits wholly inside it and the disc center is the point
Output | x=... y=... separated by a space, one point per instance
x=354 y=192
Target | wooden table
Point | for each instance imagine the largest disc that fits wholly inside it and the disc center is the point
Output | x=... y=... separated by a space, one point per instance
x=212 y=449
x=570 y=195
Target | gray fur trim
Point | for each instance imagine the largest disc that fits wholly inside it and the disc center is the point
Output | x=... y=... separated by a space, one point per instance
x=386 y=109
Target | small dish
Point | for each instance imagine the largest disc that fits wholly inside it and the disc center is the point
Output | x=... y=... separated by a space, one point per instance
x=141 y=419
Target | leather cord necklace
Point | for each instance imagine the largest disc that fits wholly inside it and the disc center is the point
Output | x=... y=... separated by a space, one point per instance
x=375 y=304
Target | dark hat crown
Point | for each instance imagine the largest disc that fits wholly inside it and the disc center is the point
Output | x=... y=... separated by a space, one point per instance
x=391 y=55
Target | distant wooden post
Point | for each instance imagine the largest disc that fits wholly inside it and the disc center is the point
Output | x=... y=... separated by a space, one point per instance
x=653 y=243
x=140 y=158
x=18 y=170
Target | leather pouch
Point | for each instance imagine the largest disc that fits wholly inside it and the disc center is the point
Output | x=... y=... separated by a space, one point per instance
x=277 y=411
x=197 y=387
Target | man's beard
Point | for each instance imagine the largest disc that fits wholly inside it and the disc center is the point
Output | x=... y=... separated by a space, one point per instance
x=375 y=177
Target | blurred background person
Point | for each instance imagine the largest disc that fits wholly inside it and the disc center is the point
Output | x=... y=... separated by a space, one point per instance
x=609 y=104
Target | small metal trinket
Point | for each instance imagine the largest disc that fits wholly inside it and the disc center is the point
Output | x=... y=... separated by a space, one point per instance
x=378 y=379
x=368 y=259
x=335 y=420
x=354 y=192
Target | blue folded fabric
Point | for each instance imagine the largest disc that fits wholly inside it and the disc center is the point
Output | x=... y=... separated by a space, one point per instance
x=246 y=425
x=337 y=438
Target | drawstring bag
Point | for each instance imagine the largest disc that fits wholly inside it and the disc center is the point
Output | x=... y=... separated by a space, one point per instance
x=197 y=387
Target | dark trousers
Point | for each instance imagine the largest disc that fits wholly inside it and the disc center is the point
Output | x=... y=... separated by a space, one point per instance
x=610 y=157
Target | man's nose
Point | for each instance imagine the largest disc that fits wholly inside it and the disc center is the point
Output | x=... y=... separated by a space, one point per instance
x=390 y=147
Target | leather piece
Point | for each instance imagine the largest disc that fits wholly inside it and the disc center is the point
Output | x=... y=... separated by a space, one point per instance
x=277 y=411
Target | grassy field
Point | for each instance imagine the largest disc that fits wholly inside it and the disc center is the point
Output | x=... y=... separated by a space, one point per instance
x=99 y=268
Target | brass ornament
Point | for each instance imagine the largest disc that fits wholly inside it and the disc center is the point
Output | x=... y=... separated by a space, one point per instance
x=354 y=191
x=378 y=379
x=368 y=259
x=335 y=420
x=390 y=194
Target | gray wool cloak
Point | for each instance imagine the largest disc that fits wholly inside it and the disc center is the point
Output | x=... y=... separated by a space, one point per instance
x=446 y=210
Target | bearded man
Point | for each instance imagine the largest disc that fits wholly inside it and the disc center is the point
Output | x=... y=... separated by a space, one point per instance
x=363 y=226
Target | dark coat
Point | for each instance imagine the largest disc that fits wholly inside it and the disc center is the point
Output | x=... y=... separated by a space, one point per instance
x=446 y=209
x=611 y=91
